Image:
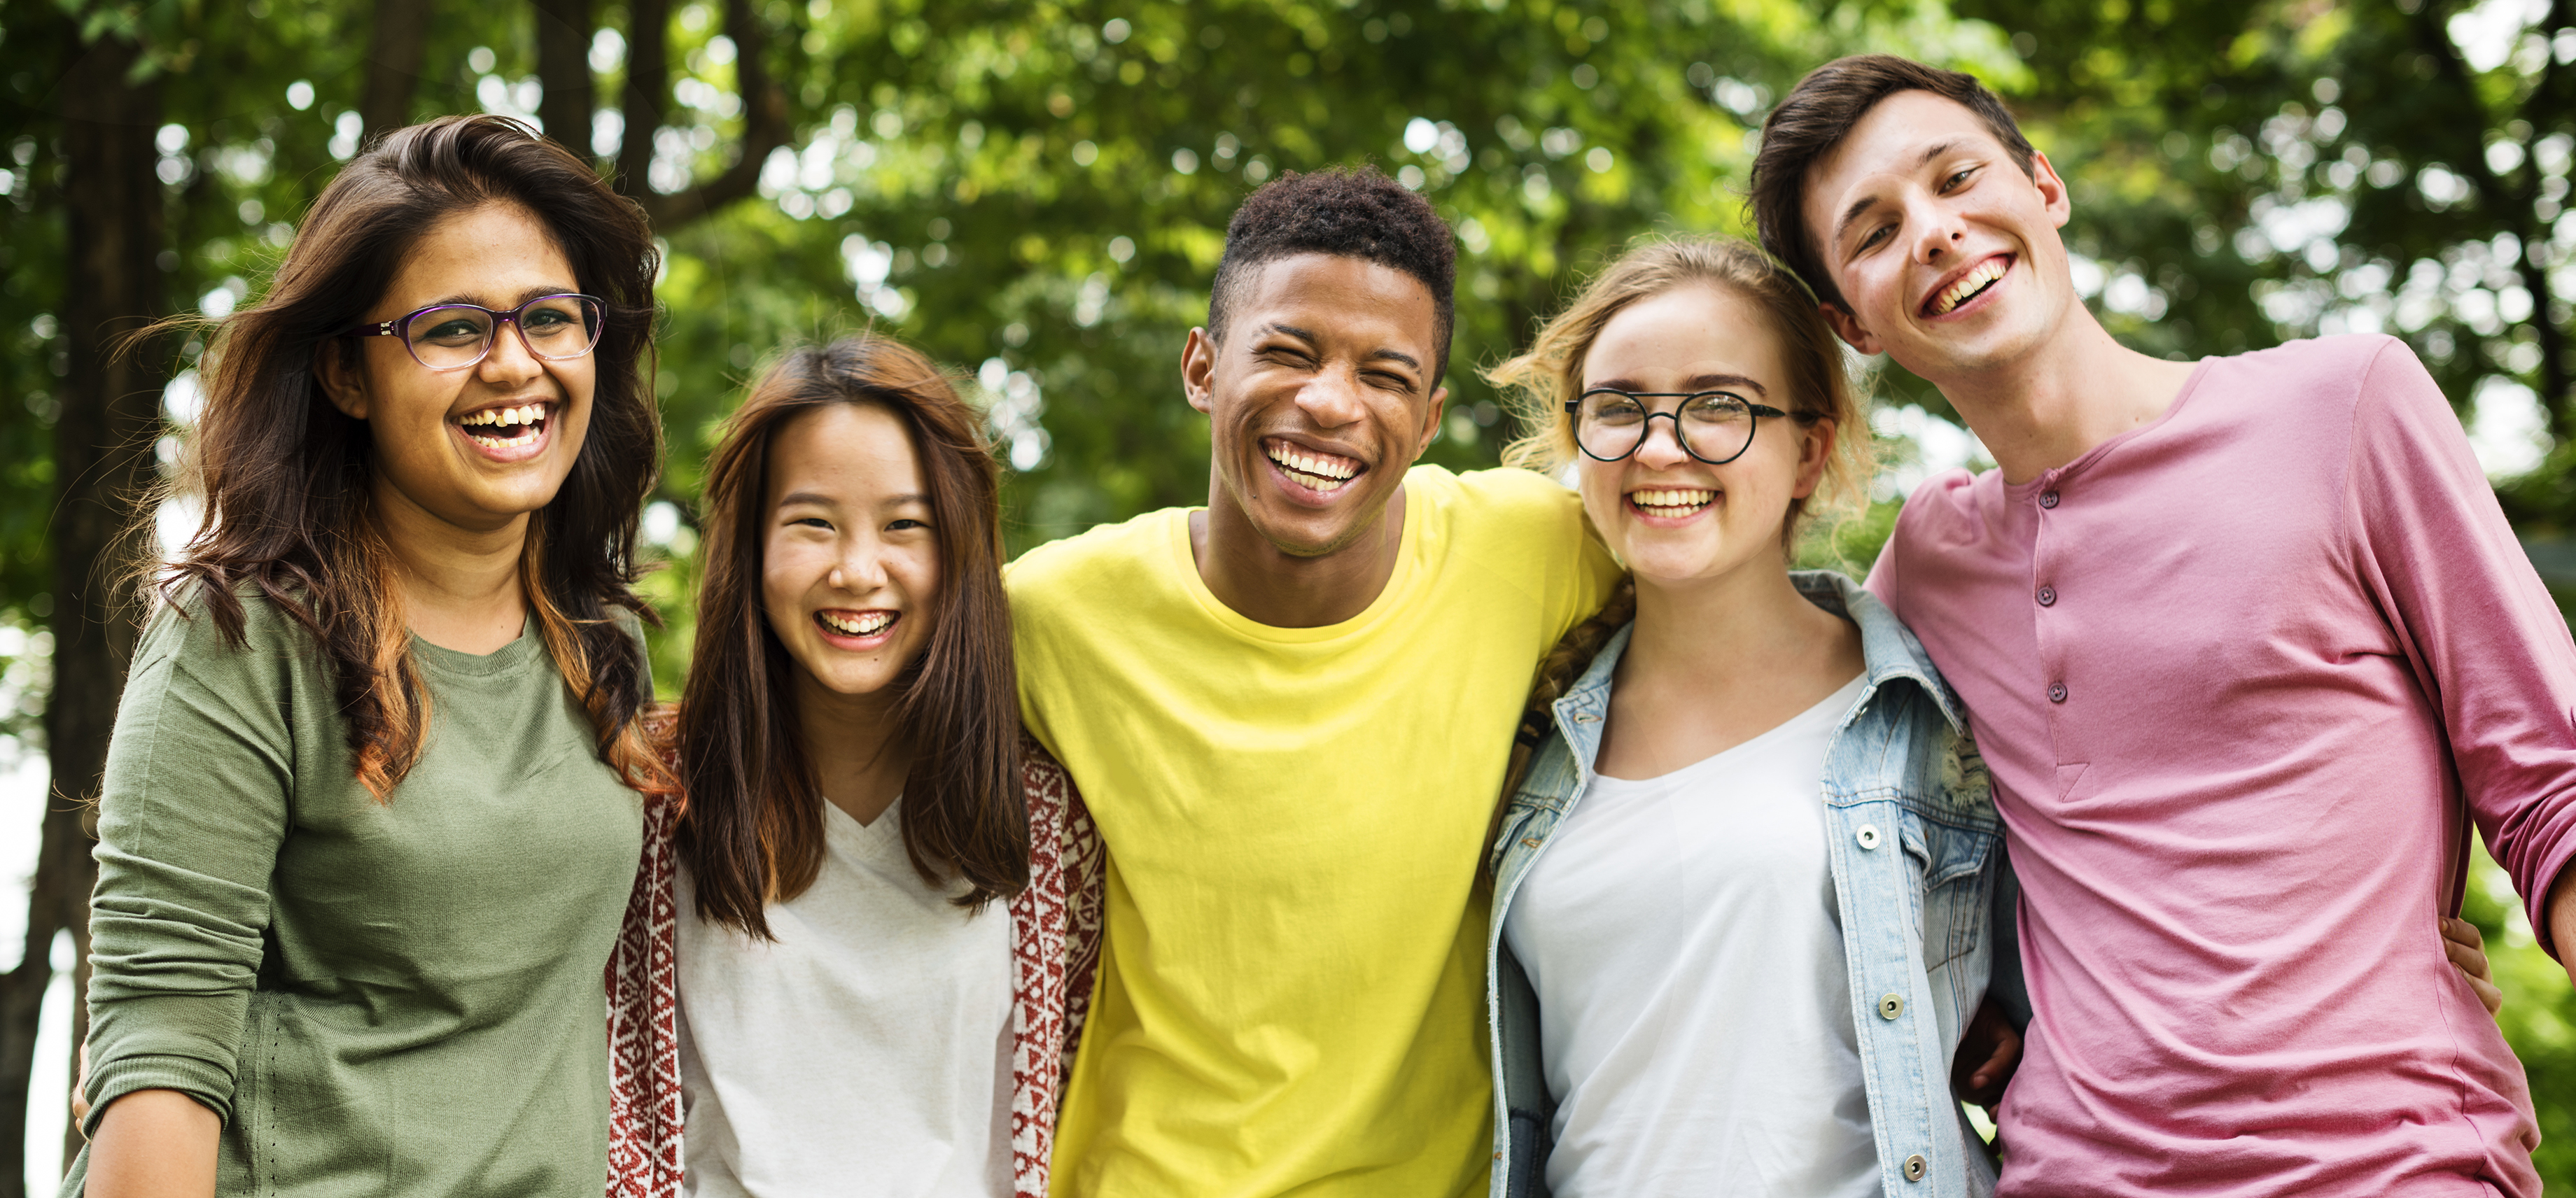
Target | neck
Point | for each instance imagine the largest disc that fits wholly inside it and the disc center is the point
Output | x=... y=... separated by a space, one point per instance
x=2053 y=405
x=1748 y=628
x=1252 y=576
x=852 y=743
x=460 y=586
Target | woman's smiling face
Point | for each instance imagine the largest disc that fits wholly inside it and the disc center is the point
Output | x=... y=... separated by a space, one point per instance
x=850 y=566
x=1668 y=515
x=481 y=446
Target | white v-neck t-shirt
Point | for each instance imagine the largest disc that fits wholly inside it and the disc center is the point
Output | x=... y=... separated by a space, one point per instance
x=867 y=1051
x=1694 y=1012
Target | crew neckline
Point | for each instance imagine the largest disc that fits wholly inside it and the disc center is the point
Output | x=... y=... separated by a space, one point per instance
x=1392 y=596
x=499 y=661
x=2046 y=479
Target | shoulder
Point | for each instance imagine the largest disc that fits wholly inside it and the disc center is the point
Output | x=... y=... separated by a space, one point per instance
x=1111 y=565
x=1504 y=491
x=1520 y=514
x=192 y=626
x=1938 y=504
x=2318 y=368
x=1133 y=545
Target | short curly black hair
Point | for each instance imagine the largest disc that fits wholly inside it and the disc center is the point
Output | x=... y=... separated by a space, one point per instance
x=1356 y=212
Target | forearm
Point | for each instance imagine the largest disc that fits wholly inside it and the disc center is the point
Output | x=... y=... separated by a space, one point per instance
x=154 y=1144
x=2562 y=918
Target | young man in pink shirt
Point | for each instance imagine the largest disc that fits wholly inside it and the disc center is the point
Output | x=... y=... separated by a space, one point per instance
x=2248 y=645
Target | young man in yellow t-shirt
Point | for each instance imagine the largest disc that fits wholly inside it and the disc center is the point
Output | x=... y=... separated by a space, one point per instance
x=1289 y=713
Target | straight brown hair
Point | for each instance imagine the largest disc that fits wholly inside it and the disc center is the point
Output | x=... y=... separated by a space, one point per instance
x=284 y=474
x=1816 y=116
x=753 y=831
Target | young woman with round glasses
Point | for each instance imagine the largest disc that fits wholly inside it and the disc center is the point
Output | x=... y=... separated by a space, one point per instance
x=1748 y=856
x=371 y=814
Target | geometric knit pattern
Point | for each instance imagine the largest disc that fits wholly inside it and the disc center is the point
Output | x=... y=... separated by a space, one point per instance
x=644 y=1025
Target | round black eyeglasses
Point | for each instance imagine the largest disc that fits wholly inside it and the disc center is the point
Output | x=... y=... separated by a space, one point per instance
x=455 y=336
x=1715 y=427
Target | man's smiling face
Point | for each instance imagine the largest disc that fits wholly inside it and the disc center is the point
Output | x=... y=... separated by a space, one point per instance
x=1947 y=255
x=1319 y=397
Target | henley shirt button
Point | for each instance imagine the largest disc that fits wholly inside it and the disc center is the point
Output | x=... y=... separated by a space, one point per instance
x=1916 y=1167
x=2057 y=692
x=2048 y=499
x=1867 y=836
x=2047 y=596
x=1891 y=1006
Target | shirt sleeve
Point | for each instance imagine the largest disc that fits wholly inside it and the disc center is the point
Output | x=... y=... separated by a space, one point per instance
x=191 y=814
x=2483 y=635
x=1588 y=574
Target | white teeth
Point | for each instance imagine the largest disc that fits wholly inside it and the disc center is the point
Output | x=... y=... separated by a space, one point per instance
x=1985 y=272
x=868 y=624
x=1312 y=472
x=1692 y=499
x=527 y=414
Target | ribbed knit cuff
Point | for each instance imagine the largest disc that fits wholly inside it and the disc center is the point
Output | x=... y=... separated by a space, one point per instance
x=204 y=1081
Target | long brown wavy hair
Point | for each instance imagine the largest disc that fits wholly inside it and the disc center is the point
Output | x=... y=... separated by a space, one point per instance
x=753 y=832
x=283 y=474
x=1551 y=372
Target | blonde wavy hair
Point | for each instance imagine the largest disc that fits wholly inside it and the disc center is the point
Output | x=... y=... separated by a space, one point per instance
x=1541 y=380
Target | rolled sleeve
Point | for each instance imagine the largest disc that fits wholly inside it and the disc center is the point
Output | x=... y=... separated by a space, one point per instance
x=191 y=813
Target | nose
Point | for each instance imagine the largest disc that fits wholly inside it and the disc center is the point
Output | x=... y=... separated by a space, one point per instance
x=861 y=568
x=1663 y=444
x=509 y=364
x=1332 y=397
x=1938 y=230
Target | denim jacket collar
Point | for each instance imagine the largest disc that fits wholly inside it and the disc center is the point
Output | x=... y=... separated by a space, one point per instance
x=1889 y=653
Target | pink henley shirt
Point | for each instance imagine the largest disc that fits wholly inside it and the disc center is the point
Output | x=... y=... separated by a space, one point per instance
x=2239 y=673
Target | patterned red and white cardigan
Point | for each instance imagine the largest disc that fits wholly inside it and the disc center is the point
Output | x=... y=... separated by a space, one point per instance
x=1055 y=933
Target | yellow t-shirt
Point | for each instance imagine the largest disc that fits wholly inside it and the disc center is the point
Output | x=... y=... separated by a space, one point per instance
x=1290 y=995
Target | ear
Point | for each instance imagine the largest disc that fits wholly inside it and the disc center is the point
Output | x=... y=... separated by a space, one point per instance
x=343 y=378
x=1198 y=370
x=1848 y=327
x=1814 y=450
x=2052 y=190
x=1430 y=421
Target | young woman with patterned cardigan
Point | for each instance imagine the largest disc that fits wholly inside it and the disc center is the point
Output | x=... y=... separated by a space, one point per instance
x=812 y=969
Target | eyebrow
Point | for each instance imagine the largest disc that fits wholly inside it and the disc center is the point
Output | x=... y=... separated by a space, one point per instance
x=1865 y=203
x=1697 y=383
x=820 y=500
x=524 y=296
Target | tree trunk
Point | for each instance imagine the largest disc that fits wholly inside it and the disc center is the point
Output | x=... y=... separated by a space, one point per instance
x=395 y=46
x=647 y=95
x=103 y=462
x=766 y=123
x=563 y=67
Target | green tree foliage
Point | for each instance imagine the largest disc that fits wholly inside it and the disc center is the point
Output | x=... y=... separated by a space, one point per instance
x=1036 y=194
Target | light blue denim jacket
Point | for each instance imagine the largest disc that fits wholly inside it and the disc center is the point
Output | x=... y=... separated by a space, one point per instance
x=1917 y=857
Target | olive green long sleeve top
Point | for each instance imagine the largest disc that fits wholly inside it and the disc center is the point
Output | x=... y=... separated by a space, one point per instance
x=378 y=998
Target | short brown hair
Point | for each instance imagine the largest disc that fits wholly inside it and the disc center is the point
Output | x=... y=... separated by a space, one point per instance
x=1815 y=118
x=753 y=830
x=1350 y=212
x=1551 y=372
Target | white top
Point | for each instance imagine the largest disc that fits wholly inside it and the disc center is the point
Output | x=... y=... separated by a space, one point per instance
x=1694 y=1013
x=866 y=1052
